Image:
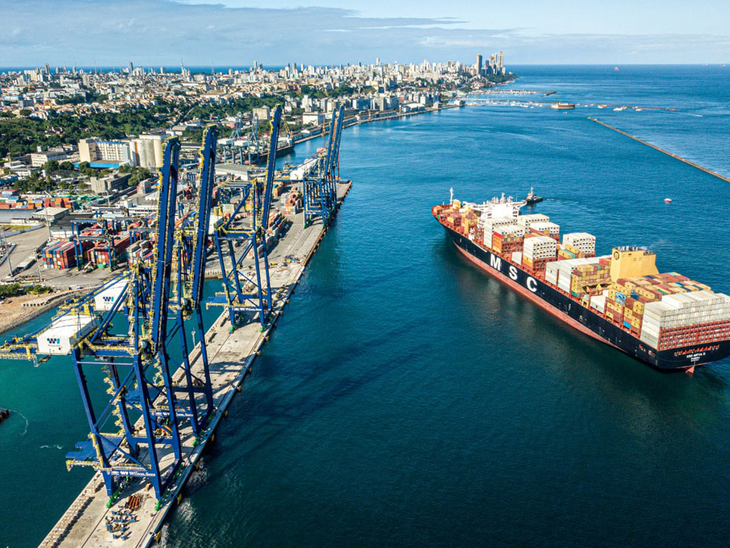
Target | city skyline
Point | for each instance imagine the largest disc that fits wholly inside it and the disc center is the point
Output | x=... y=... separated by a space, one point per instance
x=234 y=33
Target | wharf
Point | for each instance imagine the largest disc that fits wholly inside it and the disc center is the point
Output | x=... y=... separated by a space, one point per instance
x=230 y=355
x=354 y=121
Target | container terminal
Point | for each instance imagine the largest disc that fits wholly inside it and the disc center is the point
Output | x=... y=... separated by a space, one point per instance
x=161 y=413
x=665 y=320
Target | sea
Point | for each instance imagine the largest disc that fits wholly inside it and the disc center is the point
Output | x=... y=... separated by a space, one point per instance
x=408 y=399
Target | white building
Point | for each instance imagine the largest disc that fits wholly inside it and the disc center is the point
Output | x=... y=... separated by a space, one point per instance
x=147 y=151
x=95 y=150
x=38 y=159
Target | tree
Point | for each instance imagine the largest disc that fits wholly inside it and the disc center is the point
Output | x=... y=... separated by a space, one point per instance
x=51 y=166
x=66 y=166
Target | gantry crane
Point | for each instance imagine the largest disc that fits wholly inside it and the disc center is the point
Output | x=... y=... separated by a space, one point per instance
x=247 y=291
x=319 y=186
x=151 y=394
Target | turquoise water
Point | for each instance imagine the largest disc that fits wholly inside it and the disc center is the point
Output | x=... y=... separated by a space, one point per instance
x=407 y=399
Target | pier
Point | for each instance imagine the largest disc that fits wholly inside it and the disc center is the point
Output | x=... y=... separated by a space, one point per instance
x=675 y=156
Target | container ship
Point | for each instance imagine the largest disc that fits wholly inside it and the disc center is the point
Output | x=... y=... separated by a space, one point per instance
x=665 y=320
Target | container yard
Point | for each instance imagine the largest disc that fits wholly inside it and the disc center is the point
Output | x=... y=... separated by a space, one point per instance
x=666 y=319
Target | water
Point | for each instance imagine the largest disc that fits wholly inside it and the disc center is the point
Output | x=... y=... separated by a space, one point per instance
x=407 y=399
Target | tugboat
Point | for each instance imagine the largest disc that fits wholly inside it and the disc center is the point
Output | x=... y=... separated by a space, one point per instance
x=532 y=198
x=4 y=414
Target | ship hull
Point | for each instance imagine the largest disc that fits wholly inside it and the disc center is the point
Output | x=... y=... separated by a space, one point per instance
x=585 y=320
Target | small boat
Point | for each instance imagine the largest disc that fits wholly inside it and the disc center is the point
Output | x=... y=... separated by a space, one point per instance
x=560 y=105
x=667 y=200
x=4 y=414
x=532 y=198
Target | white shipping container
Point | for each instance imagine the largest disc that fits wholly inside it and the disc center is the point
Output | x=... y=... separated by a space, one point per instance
x=544 y=226
x=540 y=247
x=517 y=257
x=105 y=300
x=581 y=240
x=64 y=332
x=598 y=302
x=491 y=223
x=511 y=229
x=528 y=220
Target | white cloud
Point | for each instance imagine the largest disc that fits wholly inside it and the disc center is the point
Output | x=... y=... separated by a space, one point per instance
x=160 y=32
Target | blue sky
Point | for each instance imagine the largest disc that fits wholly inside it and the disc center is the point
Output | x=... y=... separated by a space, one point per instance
x=237 y=32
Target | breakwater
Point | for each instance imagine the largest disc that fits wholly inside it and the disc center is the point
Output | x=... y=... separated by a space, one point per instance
x=675 y=156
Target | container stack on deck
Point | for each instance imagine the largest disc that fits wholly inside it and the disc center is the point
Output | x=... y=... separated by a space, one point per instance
x=537 y=252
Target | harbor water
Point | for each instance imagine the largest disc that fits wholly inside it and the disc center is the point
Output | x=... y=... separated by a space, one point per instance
x=408 y=399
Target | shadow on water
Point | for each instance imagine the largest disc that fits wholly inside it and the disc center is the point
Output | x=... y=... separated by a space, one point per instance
x=283 y=408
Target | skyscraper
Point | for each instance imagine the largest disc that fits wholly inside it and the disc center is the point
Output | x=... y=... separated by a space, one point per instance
x=479 y=64
x=131 y=67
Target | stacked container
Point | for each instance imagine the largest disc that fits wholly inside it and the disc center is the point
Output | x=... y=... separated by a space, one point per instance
x=507 y=239
x=528 y=220
x=60 y=255
x=591 y=278
x=537 y=252
x=138 y=250
x=686 y=319
x=580 y=242
x=489 y=225
x=545 y=228
x=292 y=202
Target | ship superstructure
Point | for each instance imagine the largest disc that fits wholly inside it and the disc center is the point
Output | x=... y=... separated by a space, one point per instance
x=664 y=319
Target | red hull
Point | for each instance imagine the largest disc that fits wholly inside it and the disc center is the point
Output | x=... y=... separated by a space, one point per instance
x=541 y=303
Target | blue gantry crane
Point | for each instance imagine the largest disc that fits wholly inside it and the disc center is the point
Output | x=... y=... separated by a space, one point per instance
x=247 y=292
x=151 y=396
x=319 y=186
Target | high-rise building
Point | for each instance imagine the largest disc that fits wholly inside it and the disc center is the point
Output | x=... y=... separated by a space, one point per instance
x=479 y=64
x=131 y=67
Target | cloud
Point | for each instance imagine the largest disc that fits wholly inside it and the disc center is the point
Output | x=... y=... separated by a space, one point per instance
x=161 y=32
